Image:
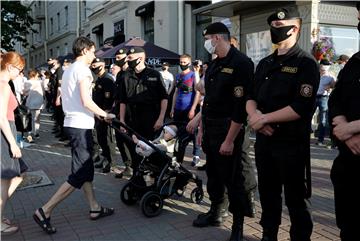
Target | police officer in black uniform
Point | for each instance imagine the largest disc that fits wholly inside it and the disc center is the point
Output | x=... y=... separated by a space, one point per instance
x=103 y=96
x=143 y=97
x=223 y=118
x=120 y=62
x=280 y=110
x=344 y=113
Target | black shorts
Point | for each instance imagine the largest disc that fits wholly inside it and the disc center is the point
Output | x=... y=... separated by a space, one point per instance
x=82 y=165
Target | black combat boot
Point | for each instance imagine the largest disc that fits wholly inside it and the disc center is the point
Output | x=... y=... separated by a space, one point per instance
x=270 y=234
x=237 y=228
x=211 y=218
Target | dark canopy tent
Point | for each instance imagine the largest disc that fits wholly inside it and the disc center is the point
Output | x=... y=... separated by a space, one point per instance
x=155 y=55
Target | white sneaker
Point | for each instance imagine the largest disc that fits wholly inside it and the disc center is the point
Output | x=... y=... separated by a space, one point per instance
x=195 y=161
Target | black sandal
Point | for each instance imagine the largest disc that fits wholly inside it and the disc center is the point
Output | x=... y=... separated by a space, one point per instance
x=45 y=223
x=103 y=212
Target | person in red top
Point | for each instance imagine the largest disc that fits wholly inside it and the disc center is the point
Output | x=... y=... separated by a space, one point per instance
x=12 y=65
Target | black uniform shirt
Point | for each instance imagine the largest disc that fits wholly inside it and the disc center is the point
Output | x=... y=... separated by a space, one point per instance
x=287 y=80
x=226 y=84
x=345 y=98
x=103 y=93
x=146 y=88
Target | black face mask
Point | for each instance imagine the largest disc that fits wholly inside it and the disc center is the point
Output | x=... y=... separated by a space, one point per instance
x=96 y=70
x=133 y=63
x=51 y=66
x=359 y=27
x=163 y=68
x=280 y=34
x=120 y=62
x=184 y=66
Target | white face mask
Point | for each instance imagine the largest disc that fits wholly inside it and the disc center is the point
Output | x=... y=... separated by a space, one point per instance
x=209 y=47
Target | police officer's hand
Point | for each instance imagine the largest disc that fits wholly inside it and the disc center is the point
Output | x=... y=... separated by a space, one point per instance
x=343 y=131
x=158 y=124
x=354 y=144
x=257 y=121
x=267 y=130
x=226 y=148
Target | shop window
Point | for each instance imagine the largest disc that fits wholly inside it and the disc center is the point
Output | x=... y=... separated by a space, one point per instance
x=149 y=28
x=345 y=40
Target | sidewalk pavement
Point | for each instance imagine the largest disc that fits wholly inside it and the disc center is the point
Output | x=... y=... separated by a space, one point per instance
x=71 y=217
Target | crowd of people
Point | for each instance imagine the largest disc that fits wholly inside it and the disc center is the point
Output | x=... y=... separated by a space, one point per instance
x=218 y=103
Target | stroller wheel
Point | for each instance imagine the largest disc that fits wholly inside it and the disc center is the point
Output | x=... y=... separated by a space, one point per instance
x=128 y=194
x=151 y=204
x=180 y=192
x=197 y=195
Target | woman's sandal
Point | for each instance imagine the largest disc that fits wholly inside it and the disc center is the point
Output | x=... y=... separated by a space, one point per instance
x=103 y=212
x=7 y=229
x=44 y=223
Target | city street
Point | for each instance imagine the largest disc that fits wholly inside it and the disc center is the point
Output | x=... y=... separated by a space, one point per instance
x=71 y=217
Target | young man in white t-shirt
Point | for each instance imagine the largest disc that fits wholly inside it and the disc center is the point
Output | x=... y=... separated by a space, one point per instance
x=79 y=110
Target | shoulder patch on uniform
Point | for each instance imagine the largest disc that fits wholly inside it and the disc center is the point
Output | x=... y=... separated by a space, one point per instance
x=238 y=91
x=227 y=70
x=107 y=94
x=291 y=70
x=306 y=90
x=152 y=79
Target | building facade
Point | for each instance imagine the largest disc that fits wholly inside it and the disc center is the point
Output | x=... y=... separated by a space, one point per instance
x=178 y=25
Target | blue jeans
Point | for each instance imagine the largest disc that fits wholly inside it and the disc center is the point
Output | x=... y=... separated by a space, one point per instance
x=322 y=104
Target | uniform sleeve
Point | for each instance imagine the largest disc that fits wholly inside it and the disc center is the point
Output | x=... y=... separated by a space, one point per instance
x=334 y=103
x=306 y=88
x=251 y=94
x=241 y=85
x=162 y=90
x=122 y=90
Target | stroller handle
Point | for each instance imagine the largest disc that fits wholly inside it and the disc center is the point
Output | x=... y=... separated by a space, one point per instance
x=133 y=132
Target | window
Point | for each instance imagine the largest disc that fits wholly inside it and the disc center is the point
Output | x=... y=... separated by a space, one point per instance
x=66 y=15
x=51 y=53
x=149 y=28
x=51 y=25
x=58 y=21
x=66 y=49
x=57 y=51
x=344 y=39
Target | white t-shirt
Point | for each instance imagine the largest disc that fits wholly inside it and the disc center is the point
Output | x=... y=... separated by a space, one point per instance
x=168 y=79
x=76 y=115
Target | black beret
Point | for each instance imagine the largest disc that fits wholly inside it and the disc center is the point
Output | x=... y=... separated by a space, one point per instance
x=216 y=28
x=284 y=14
x=135 y=50
x=98 y=60
x=122 y=51
x=358 y=6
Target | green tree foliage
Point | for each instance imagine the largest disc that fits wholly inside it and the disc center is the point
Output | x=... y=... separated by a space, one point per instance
x=16 y=23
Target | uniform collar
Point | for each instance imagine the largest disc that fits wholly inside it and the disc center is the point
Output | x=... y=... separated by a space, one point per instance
x=292 y=51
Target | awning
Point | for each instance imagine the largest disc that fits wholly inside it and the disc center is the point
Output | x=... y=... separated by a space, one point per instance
x=233 y=8
x=155 y=55
x=145 y=9
x=98 y=29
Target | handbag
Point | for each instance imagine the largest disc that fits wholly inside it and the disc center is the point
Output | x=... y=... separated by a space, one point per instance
x=23 y=118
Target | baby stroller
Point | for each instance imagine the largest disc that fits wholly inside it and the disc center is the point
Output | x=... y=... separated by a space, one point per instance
x=157 y=177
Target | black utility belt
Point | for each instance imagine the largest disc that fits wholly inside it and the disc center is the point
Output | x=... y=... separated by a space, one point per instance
x=320 y=96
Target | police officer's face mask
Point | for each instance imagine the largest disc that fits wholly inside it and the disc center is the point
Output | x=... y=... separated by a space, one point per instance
x=209 y=47
x=120 y=62
x=96 y=70
x=133 y=63
x=280 y=34
x=184 y=66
